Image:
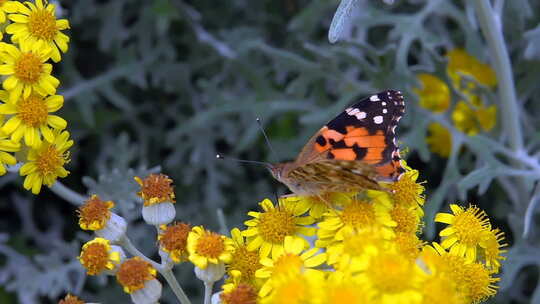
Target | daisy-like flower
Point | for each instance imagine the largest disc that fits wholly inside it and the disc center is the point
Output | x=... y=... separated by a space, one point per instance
x=356 y=215
x=95 y=215
x=343 y=290
x=31 y=118
x=439 y=288
x=6 y=145
x=318 y=205
x=471 y=121
x=158 y=198
x=243 y=261
x=98 y=256
x=461 y=63
x=36 y=23
x=207 y=247
x=268 y=229
x=27 y=71
x=407 y=219
x=408 y=244
x=45 y=162
x=291 y=261
x=238 y=293
x=295 y=289
x=138 y=278
x=173 y=240
x=473 y=281
x=467 y=229
x=434 y=94
x=439 y=140
x=392 y=278
x=71 y=299
x=491 y=249
x=350 y=253
x=407 y=191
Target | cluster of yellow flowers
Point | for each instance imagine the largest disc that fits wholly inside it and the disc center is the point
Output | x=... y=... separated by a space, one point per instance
x=339 y=248
x=28 y=132
x=470 y=114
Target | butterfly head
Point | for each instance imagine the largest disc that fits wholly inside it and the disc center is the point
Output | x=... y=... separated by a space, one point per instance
x=277 y=170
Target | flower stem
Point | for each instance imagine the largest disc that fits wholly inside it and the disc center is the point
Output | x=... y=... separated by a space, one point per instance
x=128 y=245
x=69 y=195
x=507 y=91
x=208 y=292
x=175 y=286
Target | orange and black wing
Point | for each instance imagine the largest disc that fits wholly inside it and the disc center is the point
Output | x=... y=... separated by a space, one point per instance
x=363 y=132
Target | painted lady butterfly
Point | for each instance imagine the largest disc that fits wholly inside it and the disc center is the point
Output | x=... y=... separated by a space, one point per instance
x=352 y=152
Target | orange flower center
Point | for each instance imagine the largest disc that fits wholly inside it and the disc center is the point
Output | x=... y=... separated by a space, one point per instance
x=247 y=262
x=358 y=214
x=407 y=221
x=242 y=294
x=28 y=68
x=94 y=258
x=156 y=188
x=175 y=237
x=287 y=263
x=69 y=299
x=133 y=273
x=210 y=245
x=32 y=111
x=95 y=210
x=276 y=224
x=49 y=160
x=42 y=24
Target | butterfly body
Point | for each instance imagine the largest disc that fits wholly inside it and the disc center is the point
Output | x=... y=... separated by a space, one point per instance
x=352 y=152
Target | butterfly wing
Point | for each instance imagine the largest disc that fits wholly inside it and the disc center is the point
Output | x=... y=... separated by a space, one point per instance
x=364 y=132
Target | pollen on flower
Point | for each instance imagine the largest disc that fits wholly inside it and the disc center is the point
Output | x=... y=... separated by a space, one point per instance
x=408 y=244
x=28 y=68
x=241 y=294
x=71 y=299
x=173 y=240
x=407 y=220
x=94 y=213
x=210 y=245
x=358 y=214
x=95 y=257
x=477 y=283
x=42 y=24
x=286 y=263
x=492 y=249
x=134 y=273
x=390 y=273
x=49 y=160
x=156 y=188
x=32 y=111
x=406 y=191
x=276 y=224
x=246 y=262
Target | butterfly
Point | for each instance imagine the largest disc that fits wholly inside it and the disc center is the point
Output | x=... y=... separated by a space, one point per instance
x=352 y=152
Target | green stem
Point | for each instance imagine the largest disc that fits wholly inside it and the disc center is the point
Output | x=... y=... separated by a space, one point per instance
x=69 y=195
x=175 y=286
x=507 y=92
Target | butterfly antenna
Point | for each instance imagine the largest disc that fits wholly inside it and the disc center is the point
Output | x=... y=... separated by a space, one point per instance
x=219 y=156
x=259 y=123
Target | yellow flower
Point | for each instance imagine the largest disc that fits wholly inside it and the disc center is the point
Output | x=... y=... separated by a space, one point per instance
x=460 y=62
x=290 y=262
x=46 y=162
x=350 y=254
x=6 y=7
x=342 y=290
x=156 y=188
x=467 y=229
x=318 y=205
x=206 y=247
x=240 y=293
x=134 y=274
x=267 y=230
x=243 y=261
x=434 y=94
x=471 y=121
x=473 y=281
x=491 y=249
x=392 y=278
x=408 y=244
x=31 y=118
x=439 y=140
x=97 y=256
x=173 y=240
x=301 y=288
x=356 y=215
x=94 y=213
x=27 y=71
x=407 y=219
x=439 y=288
x=407 y=191
x=37 y=23
x=71 y=299
x=6 y=145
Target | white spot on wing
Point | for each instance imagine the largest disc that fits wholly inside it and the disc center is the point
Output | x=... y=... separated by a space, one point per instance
x=383 y=103
x=361 y=115
x=384 y=111
x=378 y=119
x=374 y=98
